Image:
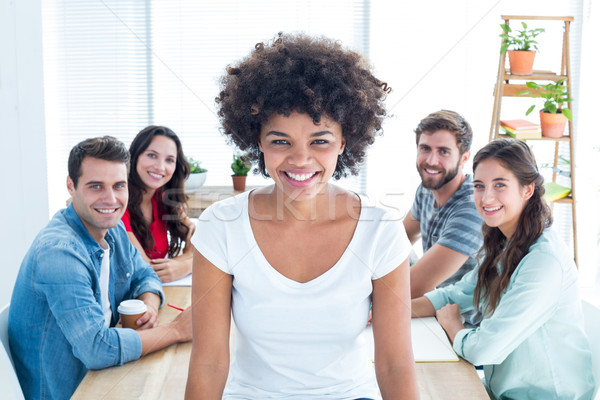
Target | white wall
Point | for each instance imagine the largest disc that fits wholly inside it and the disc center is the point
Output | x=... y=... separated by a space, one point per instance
x=588 y=150
x=24 y=200
x=429 y=59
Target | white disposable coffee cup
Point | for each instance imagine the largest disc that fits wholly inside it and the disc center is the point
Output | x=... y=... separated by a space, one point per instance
x=131 y=311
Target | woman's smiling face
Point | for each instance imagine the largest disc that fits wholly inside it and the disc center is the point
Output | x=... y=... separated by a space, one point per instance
x=498 y=195
x=299 y=155
x=156 y=165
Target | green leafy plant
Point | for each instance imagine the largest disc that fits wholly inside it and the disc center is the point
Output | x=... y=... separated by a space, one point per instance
x=195 y=167
x=240 y=166
x=555 y=94
x=562 y=162
x=519 y=40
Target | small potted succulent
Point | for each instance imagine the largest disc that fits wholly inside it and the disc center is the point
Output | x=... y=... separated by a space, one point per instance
x=197 y=175
x=522 y=48
x=240 y=167
x=553 y=116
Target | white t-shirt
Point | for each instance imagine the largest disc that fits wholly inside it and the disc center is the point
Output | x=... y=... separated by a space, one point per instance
x=300 y=340
x=104 y=277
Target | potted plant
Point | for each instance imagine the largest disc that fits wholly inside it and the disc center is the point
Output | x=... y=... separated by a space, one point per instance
x=523 y=47
x=240 y=167
x=553 y=116
x=197 y=175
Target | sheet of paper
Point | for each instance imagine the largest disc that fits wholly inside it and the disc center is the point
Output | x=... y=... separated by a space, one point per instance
x=185 y=281
x=429 y=341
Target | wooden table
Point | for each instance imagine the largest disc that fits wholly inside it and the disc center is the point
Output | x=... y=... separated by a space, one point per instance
x=200 y=199
x=163 y=374
x=159 y=375
x=449 y=381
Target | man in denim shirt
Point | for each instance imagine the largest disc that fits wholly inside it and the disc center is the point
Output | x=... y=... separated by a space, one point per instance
x=64 y=305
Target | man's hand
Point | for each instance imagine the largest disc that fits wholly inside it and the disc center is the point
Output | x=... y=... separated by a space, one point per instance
x=176 y=331
x=183 y=325
x=150 y=317
x=450 y=319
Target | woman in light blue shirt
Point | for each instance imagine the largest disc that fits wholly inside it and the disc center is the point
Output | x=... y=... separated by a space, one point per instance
x=531 y=340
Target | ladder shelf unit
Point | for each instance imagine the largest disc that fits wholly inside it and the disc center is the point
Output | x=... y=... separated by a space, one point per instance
x=509 y=85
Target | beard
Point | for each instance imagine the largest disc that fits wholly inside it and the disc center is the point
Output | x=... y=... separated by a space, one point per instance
x=438 y=182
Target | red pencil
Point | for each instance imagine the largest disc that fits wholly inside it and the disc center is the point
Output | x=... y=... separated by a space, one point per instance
x=175 y=307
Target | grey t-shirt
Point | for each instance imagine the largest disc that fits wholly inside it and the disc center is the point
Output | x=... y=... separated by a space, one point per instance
x=455 y=225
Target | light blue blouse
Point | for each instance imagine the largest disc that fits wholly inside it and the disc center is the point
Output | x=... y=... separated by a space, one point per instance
x=533 y=346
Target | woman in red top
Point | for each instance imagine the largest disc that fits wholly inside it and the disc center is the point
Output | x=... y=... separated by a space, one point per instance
x=156 y=202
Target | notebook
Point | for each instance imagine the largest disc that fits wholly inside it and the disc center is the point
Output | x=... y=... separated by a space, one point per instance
x=519 y=124
x=554 y=191
x=523 y=135
x=429 y=341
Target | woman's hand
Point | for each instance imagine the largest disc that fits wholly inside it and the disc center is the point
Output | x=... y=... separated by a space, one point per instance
x=450 y=319
x=191 y=229
x=170 y=269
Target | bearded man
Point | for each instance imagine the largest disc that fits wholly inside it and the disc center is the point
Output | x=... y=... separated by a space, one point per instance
x=443 y=214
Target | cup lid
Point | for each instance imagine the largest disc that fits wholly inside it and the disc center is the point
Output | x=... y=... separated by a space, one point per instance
x=132 y=307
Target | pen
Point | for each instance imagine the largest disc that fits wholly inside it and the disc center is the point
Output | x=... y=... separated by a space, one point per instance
x=175 y=307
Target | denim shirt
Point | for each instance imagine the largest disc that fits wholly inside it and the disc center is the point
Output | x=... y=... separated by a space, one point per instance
x=56 y=323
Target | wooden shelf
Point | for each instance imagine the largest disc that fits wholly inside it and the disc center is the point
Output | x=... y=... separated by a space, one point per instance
x=536 y=18
x=535 y=76
x=564 y=200
x=513 y=89
x=561 y=139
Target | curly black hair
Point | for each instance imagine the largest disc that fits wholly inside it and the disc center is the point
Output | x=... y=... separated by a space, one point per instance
x=312 y=75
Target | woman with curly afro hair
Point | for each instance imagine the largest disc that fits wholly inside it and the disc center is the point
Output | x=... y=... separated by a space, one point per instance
x=299 y=263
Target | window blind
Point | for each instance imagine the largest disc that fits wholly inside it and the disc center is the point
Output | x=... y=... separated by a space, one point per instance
x=116 y=66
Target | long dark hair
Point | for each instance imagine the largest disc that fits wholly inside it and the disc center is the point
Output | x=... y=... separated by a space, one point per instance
x=517 y=157
x=173 y=197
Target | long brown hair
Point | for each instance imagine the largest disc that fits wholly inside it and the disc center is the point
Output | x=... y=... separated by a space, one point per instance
x=517 y=157
x=173 y=197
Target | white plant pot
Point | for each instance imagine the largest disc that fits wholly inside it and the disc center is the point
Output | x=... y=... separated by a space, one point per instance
x=195 y=181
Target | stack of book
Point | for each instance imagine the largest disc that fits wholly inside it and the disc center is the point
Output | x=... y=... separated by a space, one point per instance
x=521 y=129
